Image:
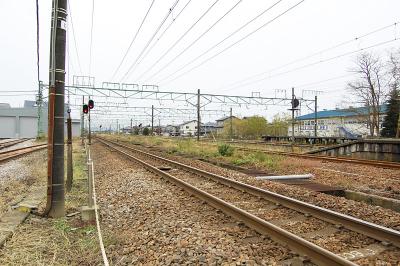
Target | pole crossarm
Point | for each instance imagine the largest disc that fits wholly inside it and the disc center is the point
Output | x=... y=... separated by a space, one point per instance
x=115 y=90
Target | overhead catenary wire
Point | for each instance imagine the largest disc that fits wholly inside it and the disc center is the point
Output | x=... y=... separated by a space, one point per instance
x=74 y=37
x=233 y=44
x=37 y=43
x=330 y=48
x=320 y=61
x=91 y=40
x=231 y=34
x=149 y=41
x=183 y=35
x=234 y=32
x=162 y=34
x=133 y=40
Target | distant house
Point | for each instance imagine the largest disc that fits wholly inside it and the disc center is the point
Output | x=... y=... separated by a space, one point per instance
x=189 y=128
x=350 y=122
x=220 y=123
x=209 y=128
x=171 y=130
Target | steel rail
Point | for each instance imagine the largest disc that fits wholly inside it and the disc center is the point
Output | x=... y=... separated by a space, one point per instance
x=315 y=253
x=372 y=230
x=11 y=154
x=11 y=143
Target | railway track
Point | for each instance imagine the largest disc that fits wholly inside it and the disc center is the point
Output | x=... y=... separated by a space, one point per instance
x=11 y=143
x=12 y=154
x=289 y=221
x=376 y=163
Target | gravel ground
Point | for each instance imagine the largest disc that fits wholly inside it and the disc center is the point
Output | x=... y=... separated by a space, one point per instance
x=340 y=242
x=379 y=181
x=18 y=176
x=360 y=210
x=156 y=223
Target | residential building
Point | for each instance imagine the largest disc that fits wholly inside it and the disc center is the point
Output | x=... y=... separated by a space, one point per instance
x=209 y=128
x=189 y=128
x=171 y=130
x=220 y=123
x=350 y=122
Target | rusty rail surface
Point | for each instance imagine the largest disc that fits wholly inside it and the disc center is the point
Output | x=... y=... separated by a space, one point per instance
x=11 y=154
x=11 y=143
x=317 y=254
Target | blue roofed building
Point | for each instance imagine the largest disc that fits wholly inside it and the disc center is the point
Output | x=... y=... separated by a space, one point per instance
x=350 y=122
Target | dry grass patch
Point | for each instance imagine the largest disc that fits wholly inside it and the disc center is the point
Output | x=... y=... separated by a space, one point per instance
x=65 y=241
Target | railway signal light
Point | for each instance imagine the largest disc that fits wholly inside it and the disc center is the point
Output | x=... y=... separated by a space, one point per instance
x=295 y=103
x=85 y=109
x=91 y=104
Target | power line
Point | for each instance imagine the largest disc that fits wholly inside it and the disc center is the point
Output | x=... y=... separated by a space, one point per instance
x=74 y=37
x=181 y=37
x=323 y=81
x=233 y=33
x=37 y=42
x=319 y=62
x=133 y=40
x=91 y=39
x=162 y=34
x=233 y=44
x=314 y=54
x=150 y=40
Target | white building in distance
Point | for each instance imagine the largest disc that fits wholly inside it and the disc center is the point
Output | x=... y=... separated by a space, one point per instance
x=189 y=128
x=349 y=123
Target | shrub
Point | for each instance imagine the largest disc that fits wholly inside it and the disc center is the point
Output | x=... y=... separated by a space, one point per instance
x=146 y=131
x=225 y=149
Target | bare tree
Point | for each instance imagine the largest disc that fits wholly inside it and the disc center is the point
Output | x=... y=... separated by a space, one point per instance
x=370 y=87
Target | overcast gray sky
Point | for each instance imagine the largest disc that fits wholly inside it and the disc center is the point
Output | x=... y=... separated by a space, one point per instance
x=305 y=30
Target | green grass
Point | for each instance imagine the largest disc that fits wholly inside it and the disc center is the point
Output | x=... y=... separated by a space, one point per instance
x=221 y=152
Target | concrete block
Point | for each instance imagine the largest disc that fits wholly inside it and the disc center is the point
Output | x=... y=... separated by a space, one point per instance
x=88 y=213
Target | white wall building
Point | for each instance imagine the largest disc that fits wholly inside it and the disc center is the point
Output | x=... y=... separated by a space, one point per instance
x=188 y=128
x=23 y=122
x=349 y=123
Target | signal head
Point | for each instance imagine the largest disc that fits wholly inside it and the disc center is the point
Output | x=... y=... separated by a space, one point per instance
x=85 y=109
x=91 y=104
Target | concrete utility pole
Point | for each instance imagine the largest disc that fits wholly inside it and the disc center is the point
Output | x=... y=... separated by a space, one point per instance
x=231 y=129
x=55 y=164
x=39 y=104
x=315 y=117
x=131 y=126
x=198 y=115
x=152 y=119
x=90 y=130
x=82 y=122
x=70 y=173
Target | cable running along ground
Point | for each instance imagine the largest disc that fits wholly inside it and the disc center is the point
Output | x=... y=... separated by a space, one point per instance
x=133 y=40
